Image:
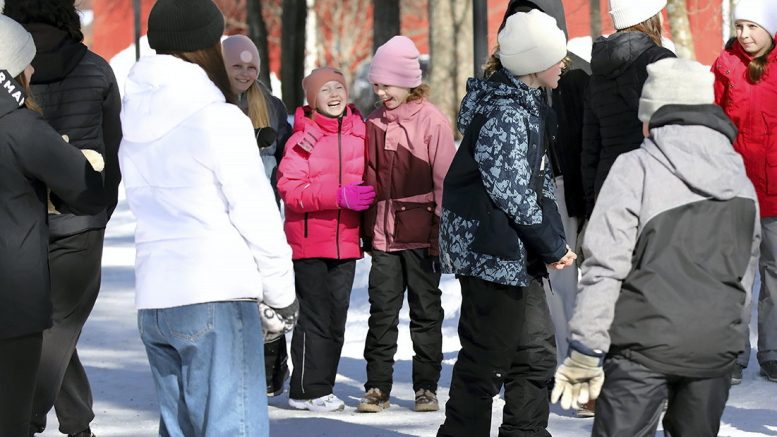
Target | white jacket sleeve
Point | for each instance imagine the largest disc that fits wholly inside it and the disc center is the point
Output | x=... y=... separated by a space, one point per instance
x=252 y=208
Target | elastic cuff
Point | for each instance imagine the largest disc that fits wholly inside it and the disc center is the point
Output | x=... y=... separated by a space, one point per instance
x=580 y=348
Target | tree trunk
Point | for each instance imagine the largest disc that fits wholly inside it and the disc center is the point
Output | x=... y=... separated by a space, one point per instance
x=451 y=53
x=385 y=21
x=293 y=18
x=257 y=31
x=681 y=28
x=596 y=19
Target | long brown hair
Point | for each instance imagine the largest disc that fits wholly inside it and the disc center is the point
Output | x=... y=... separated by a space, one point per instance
x=418 y=93
x=492 y=63
x=757 y=67
x=257 y=106
x=29 y=102
x=210 y=60
x=650 y=27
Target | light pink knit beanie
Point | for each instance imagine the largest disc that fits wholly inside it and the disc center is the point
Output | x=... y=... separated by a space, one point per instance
x=238 y=49
x=396 y=64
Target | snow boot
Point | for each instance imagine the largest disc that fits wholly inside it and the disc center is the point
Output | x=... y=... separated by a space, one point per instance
x=374 y=401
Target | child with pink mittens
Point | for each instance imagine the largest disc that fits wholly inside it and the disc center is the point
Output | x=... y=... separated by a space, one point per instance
x=409 y=149
x=320 y=182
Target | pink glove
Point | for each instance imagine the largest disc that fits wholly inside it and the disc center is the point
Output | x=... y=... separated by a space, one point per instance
x=355 y=196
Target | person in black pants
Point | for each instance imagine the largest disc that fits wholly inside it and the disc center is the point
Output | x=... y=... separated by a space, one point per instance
x=33 y=159
x=500 y=228
x=79 y=97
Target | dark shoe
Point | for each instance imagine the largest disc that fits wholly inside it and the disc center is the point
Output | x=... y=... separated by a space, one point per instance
x=736 y=374
x=426 y=400
x=769 y=370
x=586 y=410
x=85 y=433
x=374 y=401
x=275 y=387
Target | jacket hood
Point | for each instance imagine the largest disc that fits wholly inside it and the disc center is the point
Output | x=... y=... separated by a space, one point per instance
x=57 y=54
x=161 y=92
x=694 y=142
x=11 y=94
x=500 y=90
x=611 y=56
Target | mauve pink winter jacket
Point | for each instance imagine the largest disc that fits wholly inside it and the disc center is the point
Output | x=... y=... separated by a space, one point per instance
x=321 y=155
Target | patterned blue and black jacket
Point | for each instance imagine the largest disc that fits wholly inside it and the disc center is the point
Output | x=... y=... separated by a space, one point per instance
x=500 y=222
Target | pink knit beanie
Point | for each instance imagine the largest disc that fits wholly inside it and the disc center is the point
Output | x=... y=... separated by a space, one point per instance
x=396 y=64
x=313 y=82
x=237 y=49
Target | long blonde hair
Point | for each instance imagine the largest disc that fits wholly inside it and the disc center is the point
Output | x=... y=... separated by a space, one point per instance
x=258 y=111
x=650 y=27
x=29 y=102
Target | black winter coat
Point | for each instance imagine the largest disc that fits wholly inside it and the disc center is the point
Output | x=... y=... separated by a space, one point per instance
x=610 y=123
x=80 y=98
x=33 y=157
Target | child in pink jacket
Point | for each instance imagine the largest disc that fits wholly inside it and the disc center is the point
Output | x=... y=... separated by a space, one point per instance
x=409 y=149
x=320 y=182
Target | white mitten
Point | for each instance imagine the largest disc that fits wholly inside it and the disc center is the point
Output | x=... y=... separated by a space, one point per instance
x=578 y=379
x=95 y=159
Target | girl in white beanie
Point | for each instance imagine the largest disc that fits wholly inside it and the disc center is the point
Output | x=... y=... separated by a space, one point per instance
x=618 y=65
x=500 y=230
x=746 y=88
x=33 y=157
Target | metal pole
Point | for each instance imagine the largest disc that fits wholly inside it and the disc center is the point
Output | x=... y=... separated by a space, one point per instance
x=136 y=7
x=480 y=34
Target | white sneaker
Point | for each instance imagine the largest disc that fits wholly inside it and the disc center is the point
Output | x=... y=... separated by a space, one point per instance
x=323 y=404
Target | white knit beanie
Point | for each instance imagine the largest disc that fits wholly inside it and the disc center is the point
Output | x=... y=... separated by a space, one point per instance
x=675 y=81
x=16 y=46
x=760 y=12
x=626 y=13
x=531 y=42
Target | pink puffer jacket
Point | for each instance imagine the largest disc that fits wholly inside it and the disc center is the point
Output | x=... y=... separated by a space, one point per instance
x=321 y=155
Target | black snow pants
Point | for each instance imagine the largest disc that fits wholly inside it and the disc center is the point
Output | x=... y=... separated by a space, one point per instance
x=18 y=366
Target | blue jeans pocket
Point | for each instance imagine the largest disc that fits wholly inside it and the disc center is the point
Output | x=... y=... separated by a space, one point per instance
x=188 y=323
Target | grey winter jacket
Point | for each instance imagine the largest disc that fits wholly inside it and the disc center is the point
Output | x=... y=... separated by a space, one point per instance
x=500 y=222
x=673 y=233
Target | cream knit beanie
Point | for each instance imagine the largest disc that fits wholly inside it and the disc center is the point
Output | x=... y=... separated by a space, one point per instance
x=760 y=12
x=531 y=42
x=16 y=46
x=626 y=13
x=675 y=81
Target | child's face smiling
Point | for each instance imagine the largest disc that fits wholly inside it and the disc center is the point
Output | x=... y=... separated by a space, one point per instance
x=754 y=39
x=241 y=76
x=331 y=99
x=391 y=96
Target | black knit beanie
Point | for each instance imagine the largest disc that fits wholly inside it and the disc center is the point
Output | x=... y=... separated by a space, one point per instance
x=184 y=25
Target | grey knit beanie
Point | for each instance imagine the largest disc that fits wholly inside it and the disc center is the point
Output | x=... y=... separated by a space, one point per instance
x=675 y=81
x=184 y=25
x=17 y=48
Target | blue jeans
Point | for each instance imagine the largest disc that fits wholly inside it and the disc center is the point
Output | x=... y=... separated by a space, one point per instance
x=208 y=367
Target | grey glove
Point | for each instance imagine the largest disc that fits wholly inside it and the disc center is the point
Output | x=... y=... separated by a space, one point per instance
x=278 y=321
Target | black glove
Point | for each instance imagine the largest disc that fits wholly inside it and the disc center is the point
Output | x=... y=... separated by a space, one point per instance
x=278 y=321
x=265 y=136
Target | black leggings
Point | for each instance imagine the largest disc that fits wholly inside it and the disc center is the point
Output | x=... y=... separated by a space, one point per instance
x=18 y=366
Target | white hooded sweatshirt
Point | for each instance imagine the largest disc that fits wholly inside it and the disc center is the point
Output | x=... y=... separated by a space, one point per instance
x=207 y=226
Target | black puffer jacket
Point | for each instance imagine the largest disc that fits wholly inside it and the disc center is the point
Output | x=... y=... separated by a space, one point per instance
x=610 y=124
x=80 y=98
x=33 y=157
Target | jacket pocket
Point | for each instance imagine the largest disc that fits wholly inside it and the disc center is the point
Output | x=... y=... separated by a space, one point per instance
x=496 y=237
x=412 y=221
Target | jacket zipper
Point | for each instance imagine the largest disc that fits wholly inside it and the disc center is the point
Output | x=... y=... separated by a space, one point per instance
x=388 y=201
x=306 y=225
x=340 y=179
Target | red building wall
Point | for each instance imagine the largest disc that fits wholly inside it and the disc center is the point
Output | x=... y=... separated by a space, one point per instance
x=113 y=28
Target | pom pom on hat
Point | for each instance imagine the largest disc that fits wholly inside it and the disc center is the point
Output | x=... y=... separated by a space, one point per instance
x=760 y=12
x=184 y=25
x=240 y=49
x=17 y=48
x=675 y=81
x=313 y=82
x=531 y=42
x=627 y=13
x=396 y=64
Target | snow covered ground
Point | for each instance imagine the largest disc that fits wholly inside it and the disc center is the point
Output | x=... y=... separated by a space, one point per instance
x=125 y=402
